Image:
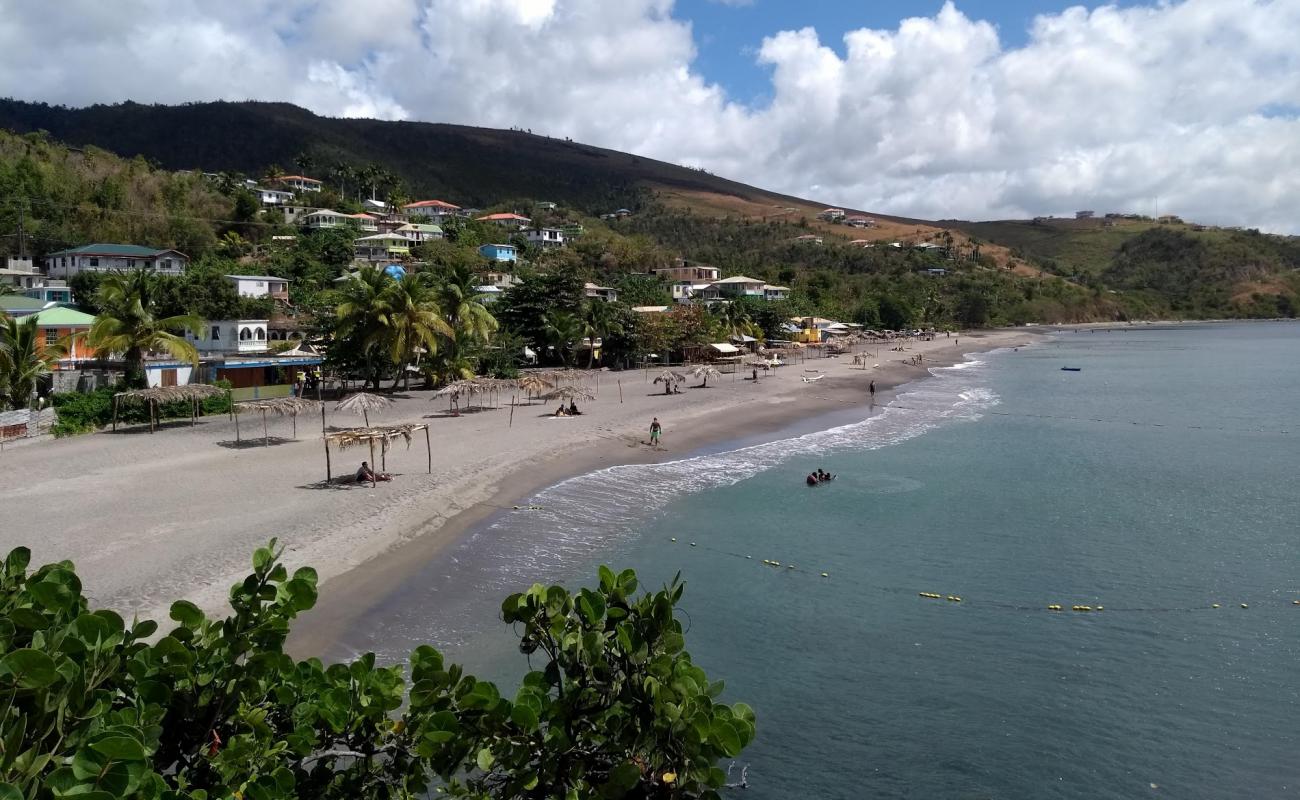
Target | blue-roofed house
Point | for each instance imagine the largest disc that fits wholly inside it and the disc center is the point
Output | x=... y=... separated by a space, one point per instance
x=499 y=252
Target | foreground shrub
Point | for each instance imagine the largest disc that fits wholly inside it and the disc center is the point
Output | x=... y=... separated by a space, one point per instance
x=99 y=709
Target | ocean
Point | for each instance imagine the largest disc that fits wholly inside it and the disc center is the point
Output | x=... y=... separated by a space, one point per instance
x=1156 y=482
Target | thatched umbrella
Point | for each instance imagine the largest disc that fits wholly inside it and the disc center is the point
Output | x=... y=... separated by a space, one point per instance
x=293 y=406
x=705 y=371
x=453 y=392
x=534 y=384
x=569 y=393
x=193 y=392
x=363 y=403
x=356 y=436
x=669 y=379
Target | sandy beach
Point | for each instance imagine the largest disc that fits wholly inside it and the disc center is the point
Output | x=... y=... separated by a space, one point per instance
x=149 y=519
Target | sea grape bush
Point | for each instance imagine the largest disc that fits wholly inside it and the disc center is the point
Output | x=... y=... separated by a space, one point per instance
x=96 y=709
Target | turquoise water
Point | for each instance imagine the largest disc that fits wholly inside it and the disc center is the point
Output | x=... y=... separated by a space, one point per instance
x=1160 y=479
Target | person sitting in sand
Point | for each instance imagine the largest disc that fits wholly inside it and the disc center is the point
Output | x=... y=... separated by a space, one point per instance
x=560 y=412
x=573 y=409
x=365 y=473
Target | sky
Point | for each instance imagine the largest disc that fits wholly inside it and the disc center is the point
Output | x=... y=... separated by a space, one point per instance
x=978 y=109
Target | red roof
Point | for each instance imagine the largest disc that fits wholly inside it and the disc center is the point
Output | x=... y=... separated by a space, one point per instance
x=491 y=217
x=430 y=204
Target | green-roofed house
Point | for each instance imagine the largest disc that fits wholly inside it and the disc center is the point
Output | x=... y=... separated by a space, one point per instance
x=60 y=323
x=20 y=305
x=114 y=257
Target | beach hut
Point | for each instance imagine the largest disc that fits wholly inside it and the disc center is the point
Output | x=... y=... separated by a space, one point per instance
x=352 y=437
x=195 y=393
x=363 y=403
x=534 y=384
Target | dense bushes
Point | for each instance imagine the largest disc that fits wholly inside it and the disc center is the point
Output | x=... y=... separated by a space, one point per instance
x=82 y=412
x=98 y=709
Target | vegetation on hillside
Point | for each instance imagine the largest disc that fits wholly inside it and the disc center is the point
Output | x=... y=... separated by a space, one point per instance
x=100 y=709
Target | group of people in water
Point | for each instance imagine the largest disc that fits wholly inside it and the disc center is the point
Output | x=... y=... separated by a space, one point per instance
x=571 y=411
x=820 y=476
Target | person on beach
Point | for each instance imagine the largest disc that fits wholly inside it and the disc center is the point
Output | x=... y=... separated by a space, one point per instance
x=560 y=412
x=872 y=389
x=655 y=430
x=573 y=409
x=367 y=474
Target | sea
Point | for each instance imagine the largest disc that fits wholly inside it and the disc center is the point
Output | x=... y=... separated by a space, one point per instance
x=1158 y=485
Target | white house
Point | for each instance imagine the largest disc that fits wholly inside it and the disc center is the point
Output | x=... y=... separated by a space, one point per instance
x=832 y=214
x=328 y=218
x=230 y=336
x=688 y=272
x=771 y=292
x=114 y=257
x=545 y=237
x=300 y=183
x=419 y=231
x=382 y=247
x=436 y=210
x=20 y=273
x=606 y=293
x=506 y=220
x=273 y=197
x=737 y=286
x=261 y=286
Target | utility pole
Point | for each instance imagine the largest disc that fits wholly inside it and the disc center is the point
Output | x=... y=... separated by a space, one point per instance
x=22 y=235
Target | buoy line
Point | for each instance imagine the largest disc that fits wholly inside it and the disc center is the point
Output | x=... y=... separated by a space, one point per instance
x=957 y=599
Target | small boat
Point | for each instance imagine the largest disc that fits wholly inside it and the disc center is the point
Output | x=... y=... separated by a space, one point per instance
x=1071 y=369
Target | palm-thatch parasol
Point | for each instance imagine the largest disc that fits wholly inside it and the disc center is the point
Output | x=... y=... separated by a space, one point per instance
x=568 y=393
x=669 y=379
x=193 y=392
x=352 y=437
x=453 y=392
x=705 y=371
x=293 y=406
x=363 y=403
x=534 y=384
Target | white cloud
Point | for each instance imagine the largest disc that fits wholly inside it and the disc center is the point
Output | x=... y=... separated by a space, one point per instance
x=1188 y=104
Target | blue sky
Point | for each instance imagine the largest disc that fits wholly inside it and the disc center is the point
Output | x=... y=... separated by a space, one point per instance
x=728 y=35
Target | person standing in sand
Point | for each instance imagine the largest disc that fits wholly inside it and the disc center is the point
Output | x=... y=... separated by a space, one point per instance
x=872 y=389
x=655 y=430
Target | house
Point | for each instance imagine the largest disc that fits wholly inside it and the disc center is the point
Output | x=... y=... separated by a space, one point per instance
x=487 y=293
x=507 y=220
x=935 y=271
x=808 y=238
x=771 y=292
x=294 y=212
x=328 y=218
x=436 y=210
x=261 y=286
x=20 y=273
x=299 y=183
x=273 y=197
x=1083 y=215
x=419 y=232
x=51 y=292
x=650 y=309
x=110 y=257
x=831 y=214
x=685 y=291
x=501 y=280
x=230 y=336
x=545 y=237
x=18 y=305
x=61 y=324
x=859 y=221
x=382 y=247
x=374 y=206
x=733 y=287
x=861 y=243
x=546 y=205
x=499 y=252
x=572 y=231
x=686 y=271
x=606 y=293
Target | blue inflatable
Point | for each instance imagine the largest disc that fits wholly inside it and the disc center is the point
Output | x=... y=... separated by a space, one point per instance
x=395 y=270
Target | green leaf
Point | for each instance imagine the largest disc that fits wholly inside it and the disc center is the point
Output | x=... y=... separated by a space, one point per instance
x=524 y=717
x=31 y=669
x=485 y=759
x=10 y=792
x=119 y=748
x=17 y=560
x=622 y=779
x=726 y=738
x=186 y=613
x=262 y=556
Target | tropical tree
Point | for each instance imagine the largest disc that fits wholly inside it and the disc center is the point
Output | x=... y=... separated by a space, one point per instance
x=603 y=323
x=127 y=323
x=462 y=302
x=414 y=320
x=733 y=320
x=362 y=317
x=24 y=358
x=455 y=359
x=564 y=331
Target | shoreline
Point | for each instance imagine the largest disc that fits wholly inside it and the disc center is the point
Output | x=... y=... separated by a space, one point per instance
x=149 y=519
x=349 y=596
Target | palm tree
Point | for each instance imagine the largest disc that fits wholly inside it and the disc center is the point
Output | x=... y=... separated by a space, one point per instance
x=563 y=330
x=454 y=360
x=733 y=319
x=24 y=359
x=414 y=320
x=602 y=323
x=126 y=324
x=304 y=161
x=274 y=173
x=462 y=302
x=363 y=322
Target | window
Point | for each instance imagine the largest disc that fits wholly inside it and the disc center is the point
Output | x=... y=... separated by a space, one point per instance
x=94 y=262
x=51 y=336
x=216 y=333
x=259 y=334
x=245 y=334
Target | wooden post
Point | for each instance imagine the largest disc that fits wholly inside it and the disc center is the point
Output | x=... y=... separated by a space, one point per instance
x=372 y=463
x=512 y=414
x=151 y=415
x=194 y=411
x=620 y=391
x=366 y=416
x=236 y=418
x=328 y=476
x=322 y=419
x=266 y=437
x=115 y=399
x=295 y=424
x=428 y=447
x=383 y=454
x=230 y=396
